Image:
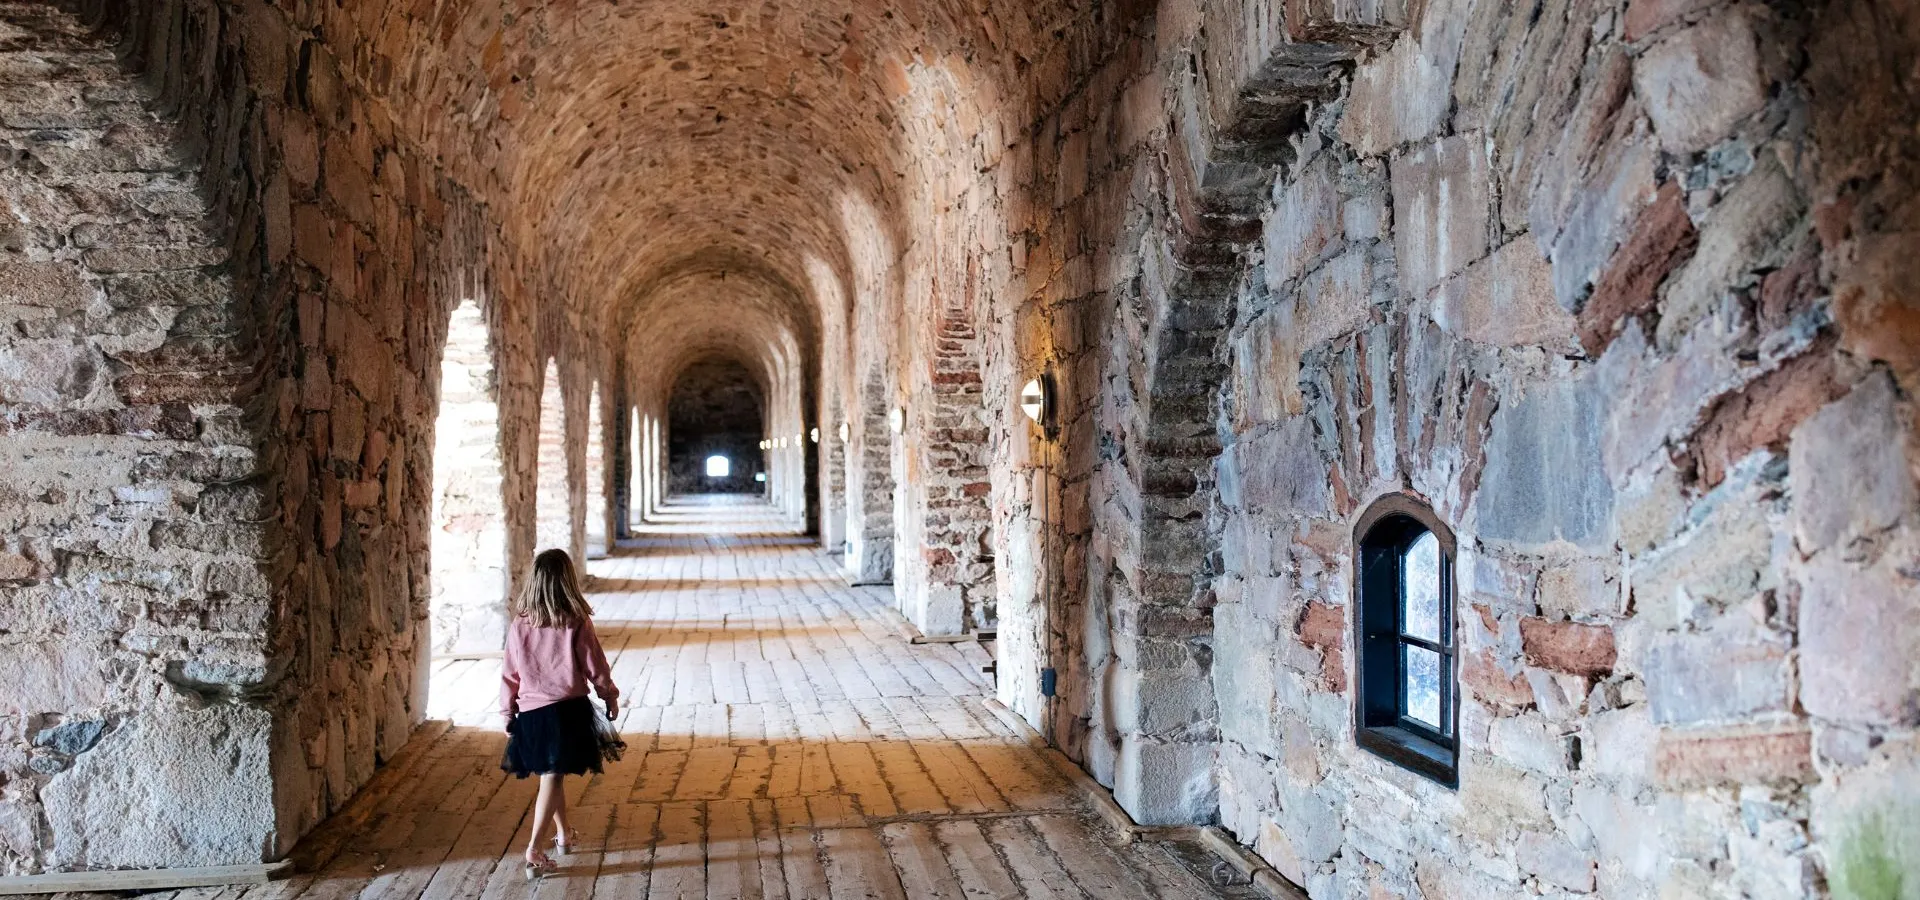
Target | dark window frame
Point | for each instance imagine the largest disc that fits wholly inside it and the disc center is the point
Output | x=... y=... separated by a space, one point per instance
x=1381 y=725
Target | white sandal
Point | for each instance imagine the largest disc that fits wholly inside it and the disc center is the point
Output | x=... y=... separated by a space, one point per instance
x=534 y=870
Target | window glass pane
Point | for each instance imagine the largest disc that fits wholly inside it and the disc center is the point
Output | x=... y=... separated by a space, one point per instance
x=718 y=467
x=1420 y=680
x=1420 y=594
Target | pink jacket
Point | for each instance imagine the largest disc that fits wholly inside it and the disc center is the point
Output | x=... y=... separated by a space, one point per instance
x=547 y=665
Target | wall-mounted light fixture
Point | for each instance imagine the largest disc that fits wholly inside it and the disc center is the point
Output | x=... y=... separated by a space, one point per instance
x=763 y=445
x=799 y=440
x=814 y=433
x=1037 y=401
x=897 y=419
x=846 y=432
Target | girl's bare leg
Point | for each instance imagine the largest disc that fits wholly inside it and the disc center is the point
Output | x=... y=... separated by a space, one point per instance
x=560 y=829
x=543 y=810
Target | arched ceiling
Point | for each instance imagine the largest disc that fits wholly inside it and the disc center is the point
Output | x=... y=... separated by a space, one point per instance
x=622 y=140
x=695 y=312
x=717 y=394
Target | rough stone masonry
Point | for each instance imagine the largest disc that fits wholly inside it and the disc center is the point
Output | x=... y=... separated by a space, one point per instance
x=308 y=309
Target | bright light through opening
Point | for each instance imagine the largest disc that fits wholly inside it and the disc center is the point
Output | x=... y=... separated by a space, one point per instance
x=718 y=467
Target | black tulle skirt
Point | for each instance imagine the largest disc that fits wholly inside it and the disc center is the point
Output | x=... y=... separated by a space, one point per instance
x=572 y=737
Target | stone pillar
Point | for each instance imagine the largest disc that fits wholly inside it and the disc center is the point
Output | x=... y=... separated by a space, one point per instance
x=643 y=469
x=833 y=486
x=656 y=464
x=597 y=481
x=870 y=490
x=945 y=587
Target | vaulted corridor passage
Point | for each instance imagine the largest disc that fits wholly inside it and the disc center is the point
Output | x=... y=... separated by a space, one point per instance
x=1433 y=449
x=784 y=740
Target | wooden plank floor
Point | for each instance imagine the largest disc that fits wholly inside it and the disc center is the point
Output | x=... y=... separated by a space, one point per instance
x=785 y=742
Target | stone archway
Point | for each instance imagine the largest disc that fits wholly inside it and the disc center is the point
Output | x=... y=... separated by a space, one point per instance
x=469 y=546
x=715 y=408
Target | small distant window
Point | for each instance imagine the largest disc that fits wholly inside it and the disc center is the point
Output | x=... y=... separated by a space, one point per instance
x=760 y=476
x=718 y=467
x=1405 y=655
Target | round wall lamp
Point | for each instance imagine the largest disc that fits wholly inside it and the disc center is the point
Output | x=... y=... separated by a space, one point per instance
x=897 y=419
x=1036 y=400
x=815 y=434
x=846 y=432
x=799 y=440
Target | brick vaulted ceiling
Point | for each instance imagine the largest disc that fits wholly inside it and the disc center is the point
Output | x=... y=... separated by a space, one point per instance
x=628 y=143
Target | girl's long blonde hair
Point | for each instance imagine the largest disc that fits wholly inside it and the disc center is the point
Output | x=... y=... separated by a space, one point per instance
x=552 y=596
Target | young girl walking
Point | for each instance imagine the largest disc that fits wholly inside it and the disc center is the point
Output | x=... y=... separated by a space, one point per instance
x=553 y=730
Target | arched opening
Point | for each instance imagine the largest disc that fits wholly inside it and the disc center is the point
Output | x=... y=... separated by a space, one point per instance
x=469 y=579
x=553 y=525
x=714 y=411
x=597 y=484
x=637 y=473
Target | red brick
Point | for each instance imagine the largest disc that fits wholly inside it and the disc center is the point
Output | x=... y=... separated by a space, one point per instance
x=1744 y=756
x=1570 y=647
x=1765 y=413
x=1791 y=289
x=1325 y=627
x=1662 y=239
x=1487 y=683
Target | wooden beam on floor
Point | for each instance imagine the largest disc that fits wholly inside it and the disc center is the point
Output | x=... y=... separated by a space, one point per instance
x=143 y=879
x=1265 y=878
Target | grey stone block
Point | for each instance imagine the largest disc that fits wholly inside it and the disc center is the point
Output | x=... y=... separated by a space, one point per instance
x=1544 y=480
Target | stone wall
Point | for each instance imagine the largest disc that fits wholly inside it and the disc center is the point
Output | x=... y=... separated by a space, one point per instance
x=281 y=300
x=1579 y=297
x=134 y=581
x=245 y=273
x=1585 y=294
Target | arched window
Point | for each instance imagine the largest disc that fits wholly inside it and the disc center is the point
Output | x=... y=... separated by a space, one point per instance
x=1407 y=694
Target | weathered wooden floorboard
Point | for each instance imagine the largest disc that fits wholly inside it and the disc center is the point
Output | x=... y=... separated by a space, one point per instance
x=784 y=741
